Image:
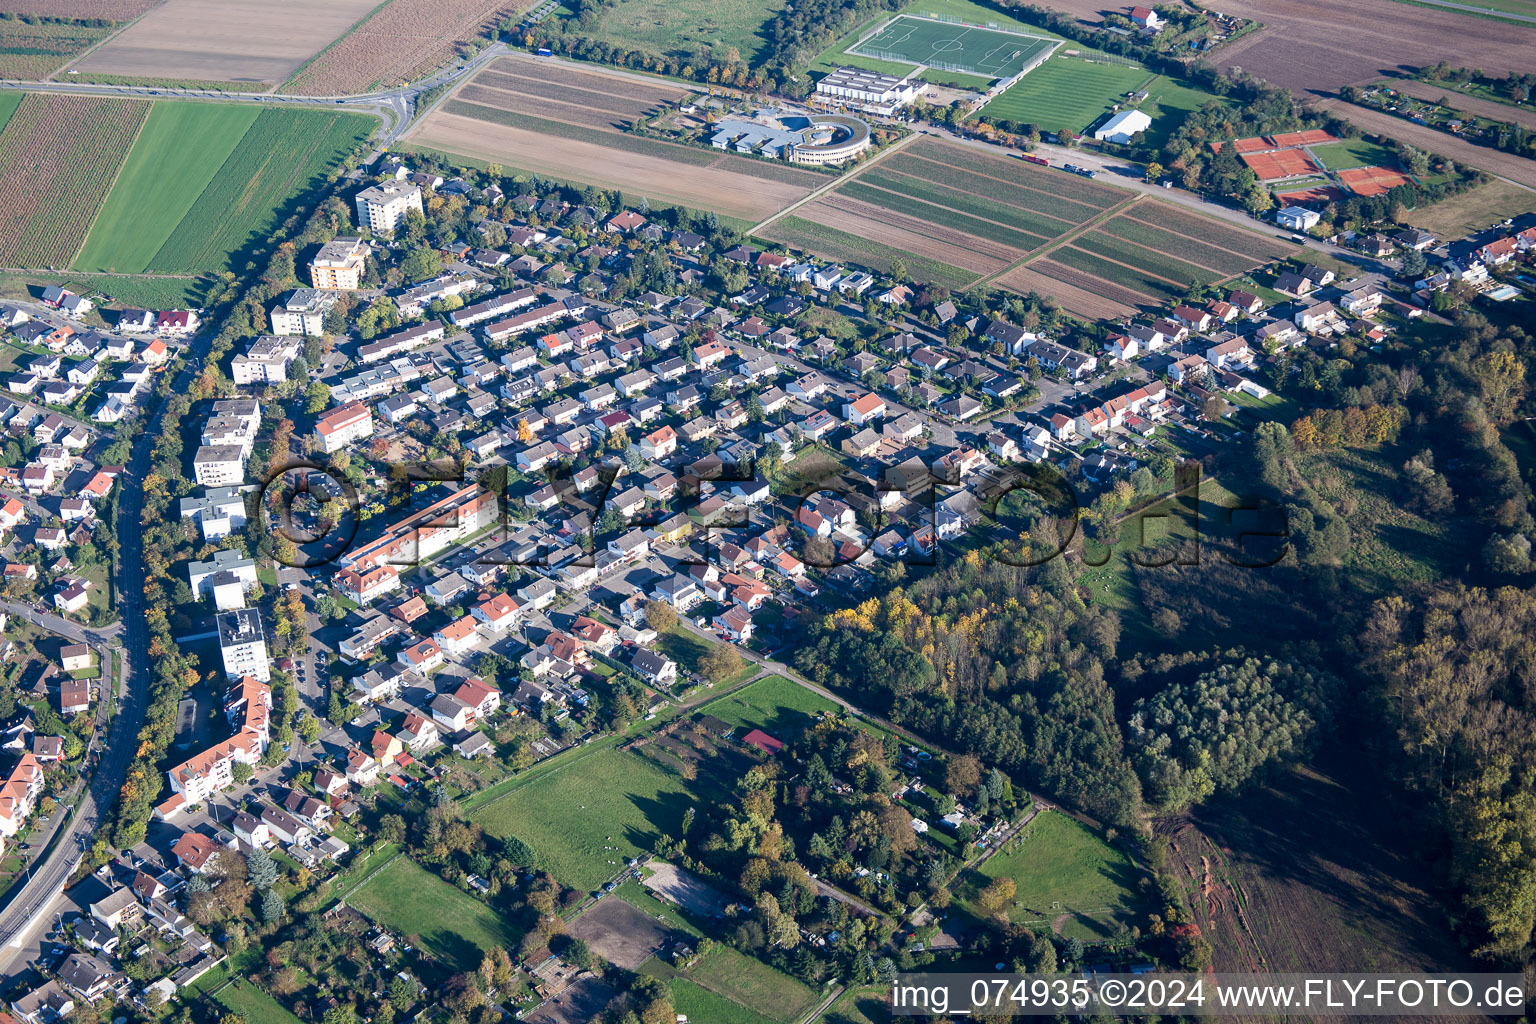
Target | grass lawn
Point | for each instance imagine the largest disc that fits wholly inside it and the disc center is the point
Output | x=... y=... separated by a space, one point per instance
x=1473 y=210
x=452 y=924
x=1067 y=93
x=1064 y=873
x=726 y=983
x=1168 y=102
x=678 y=26
x=750 y=982
x=587 y=817
x=161 y=180
x=696 y=1002
x=156 y=292
x=254 y=1005
x=867 y=1005
x=1341 y=156
x=778 y=706
x=638 y=896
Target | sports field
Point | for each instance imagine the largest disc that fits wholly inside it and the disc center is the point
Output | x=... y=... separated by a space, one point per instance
x=932 y=43
x=190 y=209
x=1066 y=879
x=1351 y=153
x=588 y=817
x=455 y=926
x=1067 y=93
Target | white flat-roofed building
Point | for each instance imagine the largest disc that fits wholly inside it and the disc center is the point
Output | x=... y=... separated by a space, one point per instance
x=219 y=465
x=869 y=90
x=243 y=645
x=266 y=360
x=383 y=207
x=303 y=312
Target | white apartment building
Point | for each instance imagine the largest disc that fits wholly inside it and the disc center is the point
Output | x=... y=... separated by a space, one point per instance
x=266 y=360
x=383 y=207
x=303 y=312
x=219 y=465
x=243 y=645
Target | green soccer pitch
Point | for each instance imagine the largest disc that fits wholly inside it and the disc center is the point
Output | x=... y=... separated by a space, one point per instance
x=951 y=46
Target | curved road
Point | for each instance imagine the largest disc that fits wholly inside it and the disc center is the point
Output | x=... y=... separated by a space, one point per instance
x=27 y=906
x=396 y=107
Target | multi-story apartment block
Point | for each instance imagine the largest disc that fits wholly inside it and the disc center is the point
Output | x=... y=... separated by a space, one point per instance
x=339 y=264
x=265 y=361
x=303 y=312
x=340 y=427
x=243 y=645
x=383 y=207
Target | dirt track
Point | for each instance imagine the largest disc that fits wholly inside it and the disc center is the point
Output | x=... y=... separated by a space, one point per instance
x=733 y=195
x=1494 y=161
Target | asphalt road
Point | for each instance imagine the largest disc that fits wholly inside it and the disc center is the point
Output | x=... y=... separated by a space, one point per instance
x=396 y=107
x=49 y=878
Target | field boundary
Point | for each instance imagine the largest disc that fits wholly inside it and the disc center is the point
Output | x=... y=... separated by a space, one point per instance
x=1064 y=240
x=107 y=192
x=834 y=183
x=359 y=23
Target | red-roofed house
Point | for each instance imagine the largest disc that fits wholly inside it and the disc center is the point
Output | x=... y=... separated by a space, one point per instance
x=762 y=741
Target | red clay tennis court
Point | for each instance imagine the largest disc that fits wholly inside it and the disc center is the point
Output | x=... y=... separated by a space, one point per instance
x=1372 y=181
x=1315 y=194
x=1282 y=163
x=1310 y=137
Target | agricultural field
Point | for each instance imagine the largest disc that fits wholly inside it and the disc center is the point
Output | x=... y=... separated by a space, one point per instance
x=455 y=926
x=36 y=51
x=945 y=211
x=587 y=817
x=112 y=10
x=505 y=116
x=869 y=1004
x=668 y=27
x=1307 y=872
x=1067 y=879
x=931 y=43
x=1474 y=210
x=1068 y=92
x=259 y=41
x=402 y=40
x=568 y=95
x=161 y=180
x=188 y=210
x=58 y=156
x=9 y=101
x=1144 y=255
